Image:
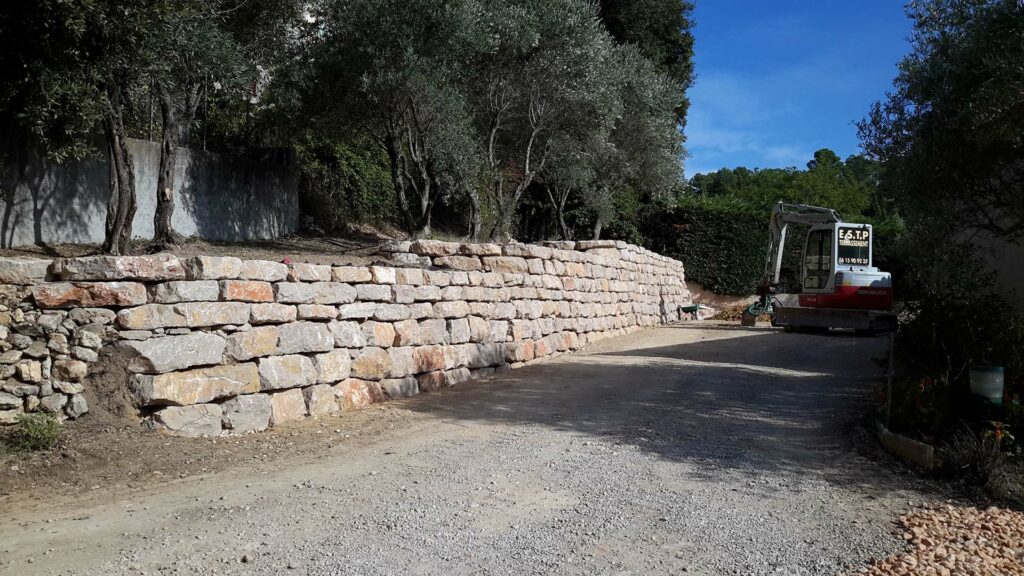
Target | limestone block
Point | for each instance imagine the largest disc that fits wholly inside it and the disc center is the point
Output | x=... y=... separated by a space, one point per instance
x=10 y=401
x=333 y=293
x=381 y=334
x=429 y=358
x=169 y=353
x=410 y=294
x=264 y=270
x=195 y=420
x=457 y=309
x=535 y=266
x=389 y=246
x=371 y=364
x=590 y=244
x=438 y=278
x=247 y=413
x=246 y=291
x=382 y=274
x=451 y=293
x=434 y=331
x=409 y=260
x=497 y=331
x=353 y=393
x=287 y=406
x=391 y=312
x=504 y=311
x=374 y=292
x=272 y=313
x=407 y=333
x=421 y=310
x=458 y=355
x=76 y=406
x=506 y=264
x=87 y=294
x=294 y=293
x=458 y=330
x=333 y=366
x=479 y=329
x=458 y=262
x=213 y=267
x=320 y=400
x=317 y=312
x=402 y=362
x=70 y=370
x=145 y=268
x=432 y=381
x=92 y=315
x=361 y=310
x=351 y=274
x=483 y=355
x=278 y=372
x=433 y=248
x=457 y=376
x=480 y=249
x=400 y=387
x=304 y=272
x=30 y=371
x=177 y=291
x=260 y=341
x=300 y=337
x=202 y=314
x=409 y=276
x=197 y=386
x=23 y=272
x=347 y=334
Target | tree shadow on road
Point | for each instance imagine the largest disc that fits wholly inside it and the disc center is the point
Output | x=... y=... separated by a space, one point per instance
x=750 y=402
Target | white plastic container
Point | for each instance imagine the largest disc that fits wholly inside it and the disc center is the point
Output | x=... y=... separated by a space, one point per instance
x=987 y=382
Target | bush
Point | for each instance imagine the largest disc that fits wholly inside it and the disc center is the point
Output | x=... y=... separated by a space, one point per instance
x=36 y=432
x=980 y=460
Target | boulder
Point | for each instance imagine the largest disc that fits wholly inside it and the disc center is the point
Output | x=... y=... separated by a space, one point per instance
x=23 y=272
x=177 y=291
x=381 y=334
x=196 y=386
x=260 y=341
x=146 y=268
x=374 y=292
x=347 y=334
x=371 y=364
x=360 y=310
x=433 y=248
x=202 y=314
x=248 y=413
x=70 y=370
x=400 y=387
x=458 y=262
x=263 y=270
x=333 y=366
x=287 y=406
x=403 y=362
x=354 y=393
x=169 y=353
x=351 y=274
x=246 y=291
x=333 y=293
x=213 y=267
x=86 y=294
x=272 y=313
x=304 y=272
x=432 y=381
x=196 y=420
x=300 y=337
x=320 y=400
x=278 y=372
x=76 y=406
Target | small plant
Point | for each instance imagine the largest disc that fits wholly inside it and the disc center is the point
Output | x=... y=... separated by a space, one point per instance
x=37 y=432
x=980 y=460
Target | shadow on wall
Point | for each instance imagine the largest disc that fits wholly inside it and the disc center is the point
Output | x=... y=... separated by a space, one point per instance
x=221 y=197
x=48 y=205
x=747 y=405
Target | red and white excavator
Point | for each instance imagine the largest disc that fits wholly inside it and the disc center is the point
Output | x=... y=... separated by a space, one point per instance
x=840 y=287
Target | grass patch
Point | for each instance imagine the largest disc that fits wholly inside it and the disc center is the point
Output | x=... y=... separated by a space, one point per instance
x=35 y=432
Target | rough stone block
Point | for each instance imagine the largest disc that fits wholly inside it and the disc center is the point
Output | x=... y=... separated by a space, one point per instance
x=320 y=400
x=169 y=353
x=300 y=337
x=287 y=406
x=260 y=341
x=248 y=413
x=360 y=310
x=145 y=268
x=382 y=274
x=438 y=278
x=333 y=293
x=458 y=262
x=371 y=364
x=434 y=331
x=457 y=309
x=30 y=371
x=70 y=370
x=479 y=329
x=202 y=314
x=87 y=294
x=351 y=274
x=76 y=406
x=23 y=272
x=407 y=333
x=196 y=386
x=429 y=358
x=354 y=393
x=409 y=276
x=457 y=376
x=433 y=248
x=432 y=381
x=506 y=264
x=333 y=366
x=196 y=420
x=402 y=362
x=458 y=330
x=317 y=312
x=278 y=372
x=347 y=334
x=294 y=293
x=177 y=291
x=374 y=292
x=272 y=313
x=381 y=334
x=263 y=270
x=400 y=387
x=246 y=291
x=483 y=249
x=213 y=267
x=391 y=312
x=304 y=272
x=53 y=403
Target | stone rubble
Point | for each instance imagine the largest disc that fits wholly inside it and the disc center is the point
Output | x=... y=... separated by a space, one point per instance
x=223 y=345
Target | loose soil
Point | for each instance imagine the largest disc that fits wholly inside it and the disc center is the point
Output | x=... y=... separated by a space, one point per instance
x=692 y=449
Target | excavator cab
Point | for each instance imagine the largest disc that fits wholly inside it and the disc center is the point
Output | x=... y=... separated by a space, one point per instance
x=839 y=285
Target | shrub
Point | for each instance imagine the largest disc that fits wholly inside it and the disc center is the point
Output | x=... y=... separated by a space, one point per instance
x=36 y=432
x=980 y=460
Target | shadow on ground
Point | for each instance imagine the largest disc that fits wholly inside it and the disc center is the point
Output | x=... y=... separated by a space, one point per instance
x=746 y=401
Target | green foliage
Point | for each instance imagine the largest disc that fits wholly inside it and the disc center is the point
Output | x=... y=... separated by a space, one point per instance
x=345 y=183
x=36 y=432
x=718 y=240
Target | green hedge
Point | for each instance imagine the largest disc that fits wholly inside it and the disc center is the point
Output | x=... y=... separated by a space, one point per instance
x=721 y=241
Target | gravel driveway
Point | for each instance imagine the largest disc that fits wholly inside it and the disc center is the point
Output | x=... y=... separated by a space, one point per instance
x=692 y=449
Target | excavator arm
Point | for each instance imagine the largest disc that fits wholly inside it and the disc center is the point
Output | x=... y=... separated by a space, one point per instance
x=782 y=216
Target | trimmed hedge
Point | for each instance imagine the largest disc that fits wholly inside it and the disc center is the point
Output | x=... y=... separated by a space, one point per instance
x=721 y=241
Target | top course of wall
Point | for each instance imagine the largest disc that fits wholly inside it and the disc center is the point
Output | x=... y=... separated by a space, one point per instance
x=222 y=345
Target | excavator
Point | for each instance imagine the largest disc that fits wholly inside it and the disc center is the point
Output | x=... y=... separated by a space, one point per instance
x=840 y=288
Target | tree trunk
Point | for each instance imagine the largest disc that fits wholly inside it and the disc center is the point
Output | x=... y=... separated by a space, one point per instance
x=474 y=215
x=163 y=232
x=121 y=205
x=393 y=148
x=597 y=229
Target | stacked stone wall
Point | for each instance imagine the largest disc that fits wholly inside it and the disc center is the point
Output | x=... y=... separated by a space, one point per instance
x=220 y=344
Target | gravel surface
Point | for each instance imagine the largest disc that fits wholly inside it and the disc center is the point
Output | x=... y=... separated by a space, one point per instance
x=693 y=449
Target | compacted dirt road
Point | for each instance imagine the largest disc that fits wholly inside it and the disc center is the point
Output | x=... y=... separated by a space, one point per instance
x=690 y=449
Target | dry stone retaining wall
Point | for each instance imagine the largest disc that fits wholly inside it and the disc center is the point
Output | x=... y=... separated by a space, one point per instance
x=217 y=344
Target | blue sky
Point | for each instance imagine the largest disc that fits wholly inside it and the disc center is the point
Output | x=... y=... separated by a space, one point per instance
x=780 y=79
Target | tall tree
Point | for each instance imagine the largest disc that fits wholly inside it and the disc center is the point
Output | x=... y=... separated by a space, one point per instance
x=68 y=67
x=949 y=135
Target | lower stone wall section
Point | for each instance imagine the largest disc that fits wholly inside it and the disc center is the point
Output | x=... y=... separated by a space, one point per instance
x=220 y=345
